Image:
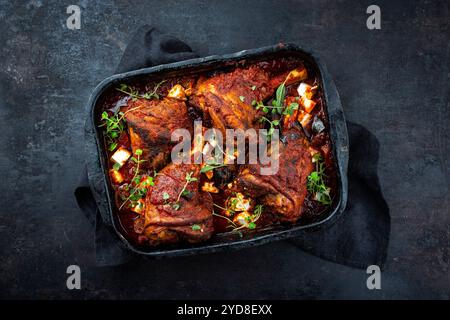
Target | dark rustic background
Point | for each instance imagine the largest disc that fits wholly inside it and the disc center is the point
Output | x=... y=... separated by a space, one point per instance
x=394 y=81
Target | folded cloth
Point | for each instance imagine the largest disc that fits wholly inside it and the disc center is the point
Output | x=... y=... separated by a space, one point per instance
x=149 y=47
x=359 y=238
x=108 y=250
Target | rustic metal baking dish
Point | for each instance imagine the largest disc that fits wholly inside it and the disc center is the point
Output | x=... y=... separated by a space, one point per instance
x=97 y=164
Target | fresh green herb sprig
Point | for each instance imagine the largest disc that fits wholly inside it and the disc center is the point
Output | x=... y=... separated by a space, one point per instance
x=124 y=88
x=211 y=165
x=277 y=103
x=259 y=208
x=154 y=93
x=138 y=188
x=251 y=220
x=134 y=94
x=273 y=124
x=184 y=192
x=114 y=126
x=277 y=107
x=216 y=162
x=316 y=183
x=226 y=209
x=231 y=223
x=288 y=110
x=279 y=98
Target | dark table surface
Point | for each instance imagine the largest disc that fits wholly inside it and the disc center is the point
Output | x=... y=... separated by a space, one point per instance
x=394 y=81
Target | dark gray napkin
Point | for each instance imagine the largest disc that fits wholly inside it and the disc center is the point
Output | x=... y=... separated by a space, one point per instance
x=359 y=238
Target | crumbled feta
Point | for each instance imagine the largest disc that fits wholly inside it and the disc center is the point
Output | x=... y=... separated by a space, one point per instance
x=242 y=218
x=116 y=176
x=304 y=118
x=209 y=187
x=177 y=92
x=307 y=104
x=139 y=206
x=238 y=203
x=121 y=156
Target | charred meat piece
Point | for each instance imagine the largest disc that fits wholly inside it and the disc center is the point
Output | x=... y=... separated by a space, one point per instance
x=227 y=97
x=150 y=126
x=175 y=209
x=284 y=192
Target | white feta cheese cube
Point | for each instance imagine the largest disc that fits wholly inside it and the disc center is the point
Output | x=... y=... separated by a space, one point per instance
x=121 y=156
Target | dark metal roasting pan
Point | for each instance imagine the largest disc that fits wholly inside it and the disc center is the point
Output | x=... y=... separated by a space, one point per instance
x=97 y=158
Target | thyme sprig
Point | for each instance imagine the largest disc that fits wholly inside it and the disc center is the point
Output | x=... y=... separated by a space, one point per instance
x=134 y=94
x=273 y=124
x=257 y=212
x=251 y=219
x=139 y=188
x=211 y=165
x=115 y=123
x=226 y=209
x=114 y=128
x=277 y=107
x=288 y=110
x=184 y=192
x=316 y=182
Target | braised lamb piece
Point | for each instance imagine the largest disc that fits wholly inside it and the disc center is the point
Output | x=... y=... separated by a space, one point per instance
x=150 y=126
x=285 y=191
x=175 y=209
x=227 y=98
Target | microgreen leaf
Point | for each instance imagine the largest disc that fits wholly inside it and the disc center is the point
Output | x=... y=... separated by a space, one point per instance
x=134 y=94
x=139 y=186
x=316 y=183
x=112 y=146
x=185 y=193
x=189 y=179
x=289 y=110
x=280 y=94
x=113 y=128
x=211 y=166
